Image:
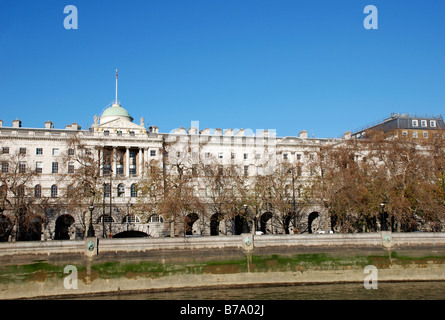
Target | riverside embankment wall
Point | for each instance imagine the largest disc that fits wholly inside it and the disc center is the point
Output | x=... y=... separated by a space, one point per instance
x=36 y=269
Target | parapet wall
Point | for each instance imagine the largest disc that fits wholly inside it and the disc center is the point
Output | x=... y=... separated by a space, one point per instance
x=244 y=242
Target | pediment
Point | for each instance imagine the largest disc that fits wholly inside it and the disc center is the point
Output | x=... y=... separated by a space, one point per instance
x=119 y=124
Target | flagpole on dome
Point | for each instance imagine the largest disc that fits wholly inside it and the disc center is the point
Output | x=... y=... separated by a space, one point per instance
x=116 y=87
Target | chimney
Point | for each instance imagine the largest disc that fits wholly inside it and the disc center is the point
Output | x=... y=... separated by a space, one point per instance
x=16 y=123
x=49 y=125
x=303 y=134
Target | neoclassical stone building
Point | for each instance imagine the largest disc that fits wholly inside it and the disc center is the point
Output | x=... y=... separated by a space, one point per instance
x=132 y=146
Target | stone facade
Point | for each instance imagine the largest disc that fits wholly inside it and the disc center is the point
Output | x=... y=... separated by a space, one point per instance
x=131 y=147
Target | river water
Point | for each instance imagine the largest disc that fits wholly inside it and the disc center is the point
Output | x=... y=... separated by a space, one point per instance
x=345 y=291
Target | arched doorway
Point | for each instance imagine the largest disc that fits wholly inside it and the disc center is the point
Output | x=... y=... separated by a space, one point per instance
x=5 y=228
x=190 y=219
x=241 y=225
x=313 y=222
x=63 y=224
x=215 y=219
x=30 y=227
x=264 y=227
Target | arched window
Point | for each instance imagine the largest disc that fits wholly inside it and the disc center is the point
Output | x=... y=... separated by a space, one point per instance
x=54 y=191
x=120 y=190
x=21 y=190
x=133 y=191
x=70 y=191
x=155 y=218
x=131 y=218
x=38 y=191
x=105 y=218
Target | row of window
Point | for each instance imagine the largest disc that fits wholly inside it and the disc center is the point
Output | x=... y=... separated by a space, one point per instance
x=416 y=135
x=423 y=123
x=56 y=152
x=55 y=191
x=220 y=155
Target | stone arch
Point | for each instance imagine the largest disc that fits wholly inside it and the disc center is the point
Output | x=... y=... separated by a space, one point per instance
x=63 y=224
x=313 y=222
x=5 y=228
x=265 y=226
x=131 y=234
x=190 y=219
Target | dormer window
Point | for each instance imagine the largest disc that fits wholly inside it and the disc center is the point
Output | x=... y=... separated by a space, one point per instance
x=424 y=123
x=415 y=123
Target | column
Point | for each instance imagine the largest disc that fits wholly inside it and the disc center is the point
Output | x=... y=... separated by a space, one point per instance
x=141 y=162
x=113 y=162
x=127 y=162
x=100 y=163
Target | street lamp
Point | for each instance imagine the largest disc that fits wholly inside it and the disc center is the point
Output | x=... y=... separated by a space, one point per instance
x=382 y=205
x=443 y=183
x=90 y=228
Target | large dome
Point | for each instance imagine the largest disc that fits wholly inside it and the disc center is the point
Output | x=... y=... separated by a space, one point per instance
x=115 y=112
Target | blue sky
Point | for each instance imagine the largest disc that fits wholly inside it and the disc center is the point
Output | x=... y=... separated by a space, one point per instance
x=287 y=65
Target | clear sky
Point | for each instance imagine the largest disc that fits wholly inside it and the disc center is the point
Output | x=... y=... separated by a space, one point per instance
x=288 y=65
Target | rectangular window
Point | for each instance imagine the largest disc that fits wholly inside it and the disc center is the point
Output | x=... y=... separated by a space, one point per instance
x=131 y=133
x=298 y=156
x=5 y=167
x=5 y=150
x=106 y=132
x=39 y=151
x=423 y=123
x=22 y=167
x=22 y=151
x=71 y=152
x=39 y=167
x=285 y=156
x=232 y=155
x=220 y=155
x=70 y=168
x=55 y=167
x=152 y=153
x=246 y=156
x=246 y=170
x=415 y=134
x=433 y=123
x=55 y=151
x=425 y=134
x=415 y=123
x=132 y=162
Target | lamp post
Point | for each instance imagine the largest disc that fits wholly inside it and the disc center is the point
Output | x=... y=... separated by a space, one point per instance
x=90 y=232
x=294 y=207
x=443 y=183
x=110 y=172
x=382 y=205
